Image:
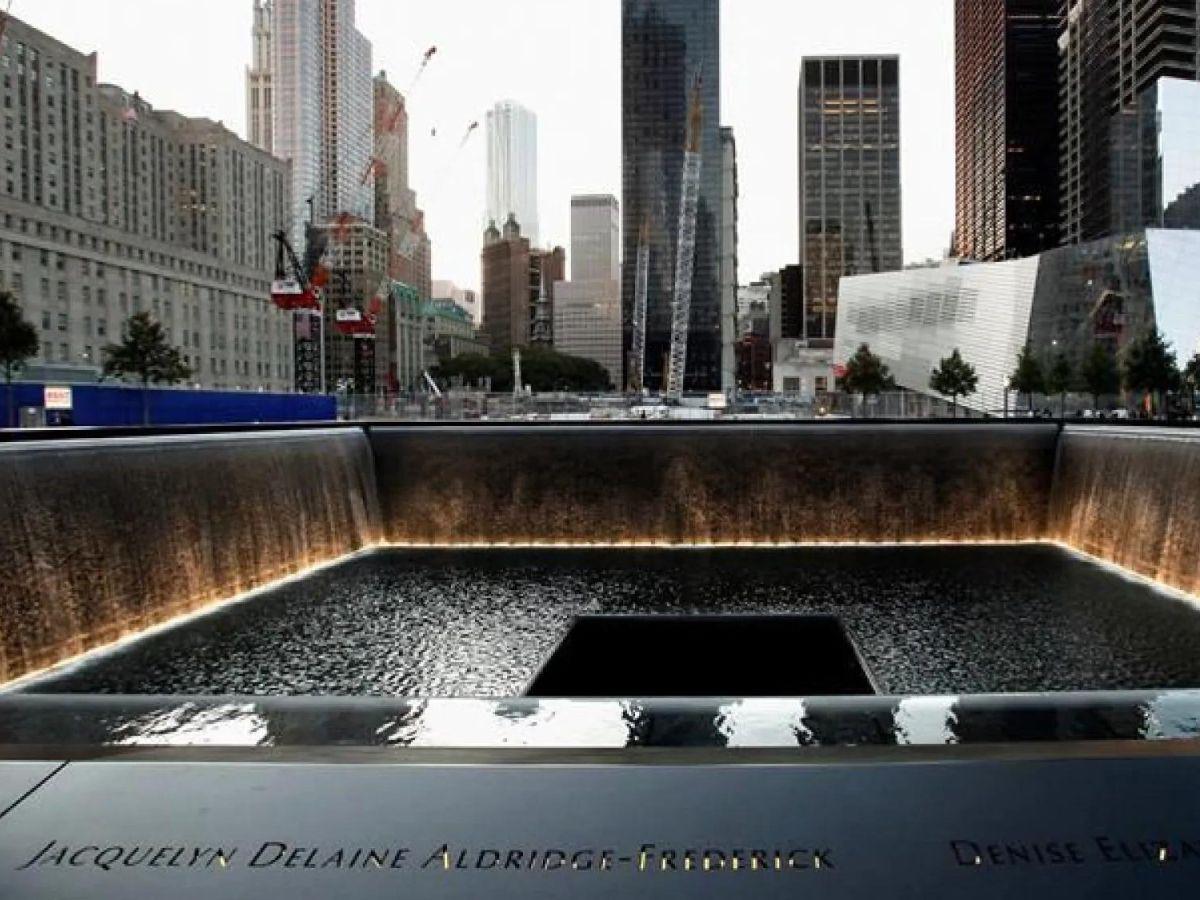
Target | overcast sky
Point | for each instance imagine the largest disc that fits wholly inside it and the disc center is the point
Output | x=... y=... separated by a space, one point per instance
x=561 y=58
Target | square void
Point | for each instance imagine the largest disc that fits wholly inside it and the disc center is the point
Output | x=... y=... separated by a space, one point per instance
x=704 y=656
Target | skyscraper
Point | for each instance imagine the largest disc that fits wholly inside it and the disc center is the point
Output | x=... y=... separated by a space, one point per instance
x=512 y=167
x=1006 y=134
x=849 y=197
x=1111 y=53
x=849 y=178
x=323 y=108
x=666 y=45
x=259 y=89
x=514 y=278
x=587 y=309
x=595 y=237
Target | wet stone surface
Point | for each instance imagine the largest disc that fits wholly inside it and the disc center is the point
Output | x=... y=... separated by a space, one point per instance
x=480 y=622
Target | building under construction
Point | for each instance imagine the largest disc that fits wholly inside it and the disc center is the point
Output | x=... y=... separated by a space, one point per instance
x=667 y=45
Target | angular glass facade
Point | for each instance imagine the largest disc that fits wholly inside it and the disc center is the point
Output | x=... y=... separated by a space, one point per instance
x=849 y=179
x=665 y=44
x=1156 y=159
x=1065 y=300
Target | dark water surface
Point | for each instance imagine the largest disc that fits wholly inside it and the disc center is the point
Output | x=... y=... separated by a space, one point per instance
x=480 y=622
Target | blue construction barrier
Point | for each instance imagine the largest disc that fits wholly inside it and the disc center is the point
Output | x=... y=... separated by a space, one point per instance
x=103 y=404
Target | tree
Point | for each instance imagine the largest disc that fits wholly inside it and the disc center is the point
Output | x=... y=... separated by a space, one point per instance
x=18 y=342
x=1027 y=378
x=954 y=377
x=542 y=369
x=866 y=374
x=146 y=354
x=1059 y=380
x=1191 y=380
x=1148 y=365
x=1100 y=375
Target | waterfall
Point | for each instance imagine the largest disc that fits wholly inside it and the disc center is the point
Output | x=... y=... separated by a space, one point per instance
x=105 y=538
x=704 y=484
x=1132 y=497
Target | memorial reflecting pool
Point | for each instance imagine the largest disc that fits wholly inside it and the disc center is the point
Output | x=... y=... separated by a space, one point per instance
x=479 y=622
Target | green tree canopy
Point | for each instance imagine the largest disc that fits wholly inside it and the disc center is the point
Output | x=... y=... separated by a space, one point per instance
x=1027 y=378
x=866 y=374
x=1100 y=374
x=18 y=342
x=1191 y=372
x=1148 y=364
x=954 y=377
x=1060 y=378
x=145 y=354
x=541 y=368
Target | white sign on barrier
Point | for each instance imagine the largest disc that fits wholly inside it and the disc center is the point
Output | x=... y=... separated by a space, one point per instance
x=57 y=398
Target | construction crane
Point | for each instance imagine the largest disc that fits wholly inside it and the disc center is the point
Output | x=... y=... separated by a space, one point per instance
x=637 y=347
x=685 y=257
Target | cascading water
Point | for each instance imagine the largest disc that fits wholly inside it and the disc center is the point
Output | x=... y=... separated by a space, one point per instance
x=103 y=538
x=683 y=485
x=1132 y=497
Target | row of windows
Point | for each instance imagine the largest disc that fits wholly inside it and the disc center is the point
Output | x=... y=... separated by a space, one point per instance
x=115 y=248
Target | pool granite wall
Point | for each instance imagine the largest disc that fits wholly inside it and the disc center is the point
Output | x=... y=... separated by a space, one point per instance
x=105 y=537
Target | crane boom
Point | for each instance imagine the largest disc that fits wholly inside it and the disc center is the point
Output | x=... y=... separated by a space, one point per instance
x=637 y=347
x=685 y=257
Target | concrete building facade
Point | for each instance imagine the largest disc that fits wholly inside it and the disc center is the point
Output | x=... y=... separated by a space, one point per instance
x=595 y=237
x=587 y=309
x=109 y=207
x=464 y=297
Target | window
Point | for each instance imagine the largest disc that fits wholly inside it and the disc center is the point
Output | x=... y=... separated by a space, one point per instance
x=45 y=321
x=62 y=321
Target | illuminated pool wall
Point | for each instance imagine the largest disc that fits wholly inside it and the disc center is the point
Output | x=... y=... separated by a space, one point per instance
x=104 y=538
x=100 y=539
x=699 y=484
x=1132 y=497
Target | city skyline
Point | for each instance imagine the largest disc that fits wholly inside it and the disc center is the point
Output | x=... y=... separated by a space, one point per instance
x=579 y=108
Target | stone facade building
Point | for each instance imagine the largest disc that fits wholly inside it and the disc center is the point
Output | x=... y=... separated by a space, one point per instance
x=109 y=207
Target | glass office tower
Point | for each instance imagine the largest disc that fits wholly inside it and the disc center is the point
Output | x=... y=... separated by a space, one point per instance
x=1156 y=159
x=1006 y=128
x=849 y=179
x=665 y=45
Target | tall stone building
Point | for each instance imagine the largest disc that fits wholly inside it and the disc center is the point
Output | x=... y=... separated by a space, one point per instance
x=396 y=211
x=110 y=207
x=1006 y=127
x=666 y=45
x=322 y=109
x=1112 y=52
x=260 y=94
